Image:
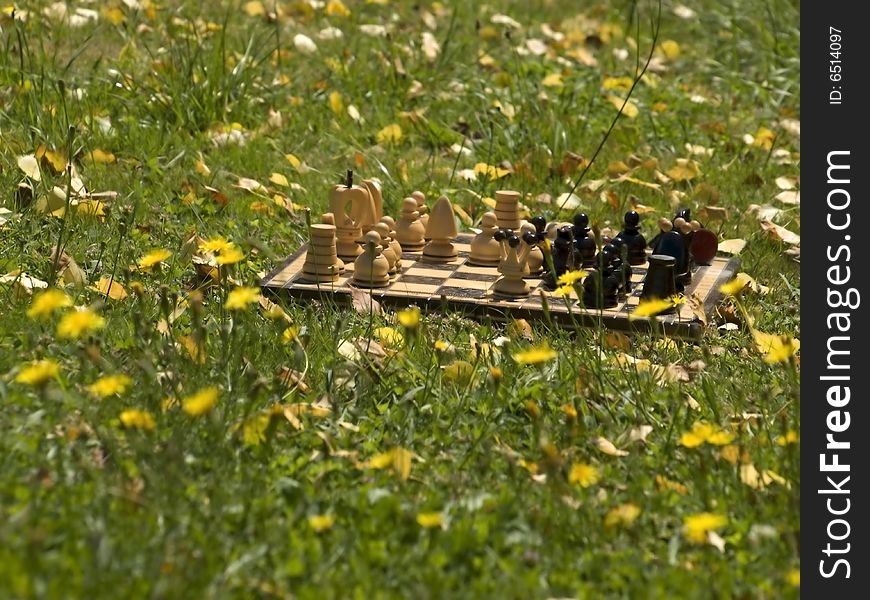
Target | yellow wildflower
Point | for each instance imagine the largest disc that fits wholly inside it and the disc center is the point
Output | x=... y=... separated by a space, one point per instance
x=733 y=287
x=201 y=402
x=133 y=418
x=321 y=522
x=650 y=308
x=241 y=297
x=535 y=355
x=563 y=290
x=677 y=299
x=624 y=515
x=583 y=474
x=230 y=256
x=216 y=244
x=428 y=520
x=290 y=334
x=571 y=277
x=47 y=302
x=703 y=432
x=152 y=258
x=336 y=8
x=793 y=577
x=391 y=134
x=38 y=372
x=389 y=336
x=410 y=318
x=79 y=323
x=110 y=385
x=697 y=526
x=442 y=346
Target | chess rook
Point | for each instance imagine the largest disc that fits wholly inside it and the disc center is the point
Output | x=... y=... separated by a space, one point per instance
x=322 y=264
x=507 y=209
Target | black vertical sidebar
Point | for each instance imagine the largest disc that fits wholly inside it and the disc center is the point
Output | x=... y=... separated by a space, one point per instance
x=835 y=421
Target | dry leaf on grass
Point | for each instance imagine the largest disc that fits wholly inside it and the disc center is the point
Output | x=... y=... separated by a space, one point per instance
x=779 y=233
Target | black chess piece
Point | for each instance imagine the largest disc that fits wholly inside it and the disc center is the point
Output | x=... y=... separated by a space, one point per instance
x=659 y=282
x=584 y=243
x=633 y=238
x=540 y=224
x=563 y=256
x=601 y=287
x=623 y=265
x=672 y=244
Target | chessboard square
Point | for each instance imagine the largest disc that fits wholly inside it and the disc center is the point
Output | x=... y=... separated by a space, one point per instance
x=468 y=284
x=472 y=270
x=414 y=289
x=637 y=277
x=632 y=300
x=418 y=271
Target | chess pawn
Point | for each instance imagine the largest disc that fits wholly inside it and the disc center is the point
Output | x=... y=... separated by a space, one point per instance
x=485 y=250
x=507 y=209
x=659 y=282
x=394 y=243
x=392 y=258
x=512 y=266
x=633 y=239
x=371 y=268
x=321 y=261
x=439 y=231
x=584 y=244
x=535 y=260
x=410 y=230
x=329 y=219
x=420 y=199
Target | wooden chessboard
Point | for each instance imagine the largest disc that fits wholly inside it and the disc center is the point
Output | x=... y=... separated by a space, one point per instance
x=461 y=287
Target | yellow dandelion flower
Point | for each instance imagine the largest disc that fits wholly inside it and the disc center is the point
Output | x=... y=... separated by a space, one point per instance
x=563 y=290
x=535 y=355
x=703 y=432
x=230 y=257
x=442 y=346
x=582 y=474
x=291 y=334
x=571 y=277
x=697 y=526
x=321 y=522
x=495 y=374
x=133 y=418
x=38 y=372
x=216 y=244
x=110 y=385
x=409 y=318
x=201 y=402
x=44 y=304
x=389 y=336
x=241 y=297
x=336 y=8
x=459 y=372
x=793 y=577
x=650 y=308
x=733 y=287
x=624 y=514
x=677 y=299
x=79 y=323
x=152 y=258
x=391 y=134
x=430 y=520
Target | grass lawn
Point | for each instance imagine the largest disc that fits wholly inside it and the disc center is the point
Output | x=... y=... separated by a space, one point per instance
x=178 y=436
